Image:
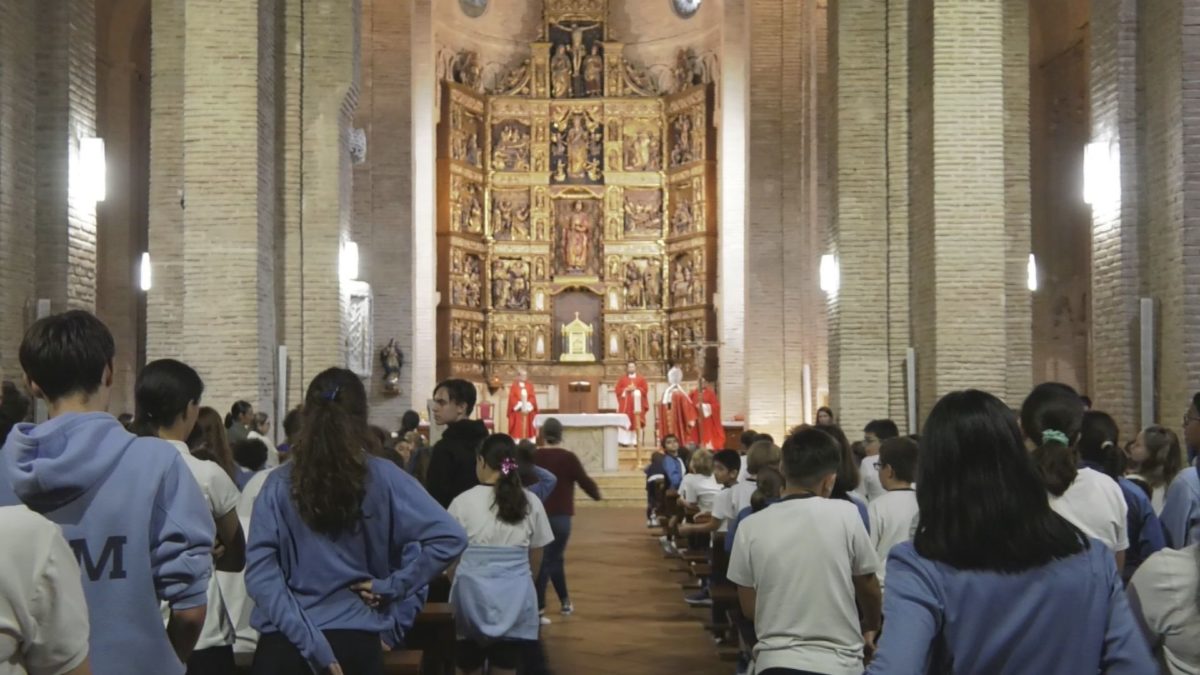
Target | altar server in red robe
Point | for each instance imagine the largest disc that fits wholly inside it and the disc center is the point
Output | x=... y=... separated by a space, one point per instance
x=522 y=407
x=712 y=434
x=633 y=401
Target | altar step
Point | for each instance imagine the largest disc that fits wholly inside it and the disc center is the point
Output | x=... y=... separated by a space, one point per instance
x=619 y=489
x=633 y=459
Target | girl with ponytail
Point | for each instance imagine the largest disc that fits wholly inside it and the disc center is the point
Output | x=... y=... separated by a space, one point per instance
x=495 y=605
x=1052 y=421
x=329 y=564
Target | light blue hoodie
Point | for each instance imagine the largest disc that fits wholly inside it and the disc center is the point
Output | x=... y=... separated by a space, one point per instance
x=136 y=520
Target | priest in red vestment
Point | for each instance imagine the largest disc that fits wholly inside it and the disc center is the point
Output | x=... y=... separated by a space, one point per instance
x=633 y=401
x=712 y=433
x=677 y=414
x=522 y=407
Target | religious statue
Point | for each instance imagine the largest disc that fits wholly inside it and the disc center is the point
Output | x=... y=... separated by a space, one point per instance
x=470 y=209
x=642 y=151
x=539 y=272
x=712 y=433
x=682 y=152
x=632 y=401
x=497 y=345
x=579 y=145
x=456 y=335
x=468 y=343
x=577 y=229
x=518 y=284
x=467 y=71
x=578 y=48
x=560 y=73
x=393 y=360
x=681 y=219
x=656 y=344
x=479 y=346
x=522 y=348
x=634 y=286
x=593 y=73
x=653 y=283
x=633 y=344
x=510 y=217
x=681 y=281
x=500 y=285
x=522 y=407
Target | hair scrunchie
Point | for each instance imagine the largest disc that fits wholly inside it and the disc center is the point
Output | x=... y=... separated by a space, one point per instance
x=508 y=465
x=1054 y=436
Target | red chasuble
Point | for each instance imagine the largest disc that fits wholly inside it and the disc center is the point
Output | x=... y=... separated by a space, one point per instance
x=681 y=418
x=626 y=404
x=712 y=434
x=520 y=422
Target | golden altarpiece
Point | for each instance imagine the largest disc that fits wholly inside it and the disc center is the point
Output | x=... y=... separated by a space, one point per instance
x=574 y=198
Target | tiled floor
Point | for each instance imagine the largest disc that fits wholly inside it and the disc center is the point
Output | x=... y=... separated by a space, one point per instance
x=630 y=618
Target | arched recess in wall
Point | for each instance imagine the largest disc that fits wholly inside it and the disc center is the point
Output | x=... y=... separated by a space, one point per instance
x=122 y=220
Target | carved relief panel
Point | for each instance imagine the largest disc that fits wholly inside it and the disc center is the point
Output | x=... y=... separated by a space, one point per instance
x=642 y=144
x=687 y=134
x=643 y=213
x=511 y=145
x=511 y=284
x=466 y=205
x=466 y=279
x=511 y=215
x=687 y=278
x=687 y=207
x=576 y=146
x=466 y=130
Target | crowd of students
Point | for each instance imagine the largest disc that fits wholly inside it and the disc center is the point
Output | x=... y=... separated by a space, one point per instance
x=171 y=541
x=999 y=541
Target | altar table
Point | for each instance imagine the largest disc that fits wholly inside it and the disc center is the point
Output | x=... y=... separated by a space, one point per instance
x=593 y=438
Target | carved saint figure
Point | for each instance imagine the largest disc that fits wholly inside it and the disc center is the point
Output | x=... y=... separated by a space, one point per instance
x=500 y=287
x=522 y=346
x=593 y=73
x=560 y=73
x=682 y=153
x=653 y=284
x=577 y=238
x=479 y=345
x=634 y=286
x=579 y=141
x=497 y=345
x=681 y=220
x=468 y=344
x=456 y=339
x=578 y=48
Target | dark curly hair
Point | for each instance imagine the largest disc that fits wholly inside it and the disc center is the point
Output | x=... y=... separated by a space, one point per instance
x=329 y=472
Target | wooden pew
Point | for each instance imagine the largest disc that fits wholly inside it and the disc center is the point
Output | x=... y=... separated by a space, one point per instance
x=402 y=662
x=433 y=634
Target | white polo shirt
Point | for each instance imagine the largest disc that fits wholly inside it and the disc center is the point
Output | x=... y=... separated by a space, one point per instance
x=893 y=516
x=700 y=490
x=1163 y=592
x=800 y=555
x=1094 y=503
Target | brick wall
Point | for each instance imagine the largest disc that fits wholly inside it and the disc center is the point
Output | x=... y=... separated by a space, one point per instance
x=899 y=337
x=18 y=153
x=1018 y=337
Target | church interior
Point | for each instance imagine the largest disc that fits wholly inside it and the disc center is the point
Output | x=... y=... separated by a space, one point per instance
x=787 y=205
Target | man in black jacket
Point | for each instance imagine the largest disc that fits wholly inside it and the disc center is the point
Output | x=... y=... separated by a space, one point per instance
x=452 y=464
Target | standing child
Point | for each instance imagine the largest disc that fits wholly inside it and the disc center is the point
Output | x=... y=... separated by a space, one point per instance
x=495 y=605
x=893 y=514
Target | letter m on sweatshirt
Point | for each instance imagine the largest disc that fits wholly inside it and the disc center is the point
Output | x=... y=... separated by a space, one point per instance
x=112 y=558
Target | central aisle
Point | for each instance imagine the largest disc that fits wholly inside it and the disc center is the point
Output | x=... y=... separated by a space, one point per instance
x=630 y=618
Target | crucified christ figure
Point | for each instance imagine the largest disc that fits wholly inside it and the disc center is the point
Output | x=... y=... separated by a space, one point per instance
x=578 y=49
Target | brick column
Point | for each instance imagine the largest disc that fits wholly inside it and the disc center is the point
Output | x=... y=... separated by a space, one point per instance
x=164 y=303
x=860 y=312
x=228 y=234
x=1115 y=276
x=1168 y=49
x=424 y=211
x=18 y=153
x=731 y=273
x=66 y=112
x=966 y=224
x=383 y=190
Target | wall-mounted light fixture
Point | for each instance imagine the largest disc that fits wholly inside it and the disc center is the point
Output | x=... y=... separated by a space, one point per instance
x=348 y=261
x=1101 y=171
x=830 y=274
x=146 y=272
x=1031 y=273
x=91 y=170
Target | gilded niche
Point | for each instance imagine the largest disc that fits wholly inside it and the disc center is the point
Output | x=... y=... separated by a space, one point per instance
x=684 y=216
x=466 y=210
x=687 y=278
x=643 y=145
x=465 y=134
x=466 y=279
x=687 y=137
x=642 y=280
x=577 y=233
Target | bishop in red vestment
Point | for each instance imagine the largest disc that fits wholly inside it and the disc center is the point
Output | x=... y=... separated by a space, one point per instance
x=712 y=433
x=677 y=414
x=522 y=407
x=633 y=401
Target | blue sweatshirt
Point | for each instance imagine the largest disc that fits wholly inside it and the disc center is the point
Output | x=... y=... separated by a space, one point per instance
x=300 y=579
x=1069 y=617
x=136 y=520
x=1181 y=511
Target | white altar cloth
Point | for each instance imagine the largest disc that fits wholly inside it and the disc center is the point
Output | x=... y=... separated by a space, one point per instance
x=593 y=438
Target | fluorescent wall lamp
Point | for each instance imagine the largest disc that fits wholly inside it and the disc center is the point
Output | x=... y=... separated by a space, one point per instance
x=1101 y=172
x=830 y=274
x=1031 y=273
x=146 y=272
x=92 y=170
x=348 y=261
